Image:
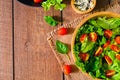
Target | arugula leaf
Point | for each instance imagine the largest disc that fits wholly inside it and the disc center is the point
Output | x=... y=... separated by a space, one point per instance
x=93 y=22
x=61 y=47
x=100 y=31
x=50 y=20
x=58 y=5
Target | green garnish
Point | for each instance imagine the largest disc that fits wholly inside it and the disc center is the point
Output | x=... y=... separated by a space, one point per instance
x=58 y=5
x=50 y=20
x=61 y=47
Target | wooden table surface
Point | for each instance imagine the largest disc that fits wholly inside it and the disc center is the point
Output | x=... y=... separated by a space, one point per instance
x=24 y=50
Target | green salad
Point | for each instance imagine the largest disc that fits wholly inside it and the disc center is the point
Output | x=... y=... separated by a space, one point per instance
x=97 y=48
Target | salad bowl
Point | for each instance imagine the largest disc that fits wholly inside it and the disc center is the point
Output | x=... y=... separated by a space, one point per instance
x=95 y=46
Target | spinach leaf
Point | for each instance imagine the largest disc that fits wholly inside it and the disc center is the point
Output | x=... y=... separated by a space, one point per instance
x=87 y=47
x=50 y=20
x=61 y=47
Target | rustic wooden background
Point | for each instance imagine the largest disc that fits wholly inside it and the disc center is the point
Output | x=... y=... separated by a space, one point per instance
x=24 y=50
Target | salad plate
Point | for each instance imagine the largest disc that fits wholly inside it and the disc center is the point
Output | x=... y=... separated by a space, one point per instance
x=95 y=46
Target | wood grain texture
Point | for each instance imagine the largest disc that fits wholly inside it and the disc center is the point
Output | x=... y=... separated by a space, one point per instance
x=34 y=59
x=6 y=67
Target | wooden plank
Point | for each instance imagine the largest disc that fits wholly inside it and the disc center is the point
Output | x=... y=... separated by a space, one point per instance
x=6 y=68
x=34 y=59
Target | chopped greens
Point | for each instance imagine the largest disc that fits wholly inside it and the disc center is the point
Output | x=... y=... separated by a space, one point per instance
x=97 y=66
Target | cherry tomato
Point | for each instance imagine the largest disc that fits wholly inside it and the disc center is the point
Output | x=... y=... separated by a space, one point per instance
x=67 y=69
x=108 y=33
x=117 y=39
x=108 y=59
x=118 y=56
x=109 y=73
x=114 y=48
x=106 y=44
x=93 y=36
x=38 y=1
x=99 y=51
x=82 y=37
x=62 y=31
x=84 y=56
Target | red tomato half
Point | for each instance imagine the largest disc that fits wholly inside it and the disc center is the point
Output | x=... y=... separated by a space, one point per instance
x=67 y=69
x=93 y=36
x=38 y=1
x=109 y=73
x=108 y=33
x=82 y=37
x=108 y=59
x=117 y=39
x=62 y=31
x=106 y=44
x=84 y=56
x=99 y=51
x=114 y=48
x=118 y=56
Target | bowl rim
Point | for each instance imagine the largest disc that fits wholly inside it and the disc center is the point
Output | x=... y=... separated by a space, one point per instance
x=82 y=12
x=94 y=15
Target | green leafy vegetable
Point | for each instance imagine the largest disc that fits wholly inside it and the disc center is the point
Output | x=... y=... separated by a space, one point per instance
x=102 y=40
x=81 y=65
x=93 y=22
x=87 y=47
x=116 y=31
x=100 y=31
x=58 y=5
x=108 y=24
x=61 y=47
x=50 y=20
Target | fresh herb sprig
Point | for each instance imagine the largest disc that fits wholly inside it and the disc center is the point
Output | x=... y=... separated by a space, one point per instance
x=57 y=4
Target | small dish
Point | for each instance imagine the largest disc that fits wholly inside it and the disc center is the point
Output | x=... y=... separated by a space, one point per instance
x=83 y=6
x=30 y=3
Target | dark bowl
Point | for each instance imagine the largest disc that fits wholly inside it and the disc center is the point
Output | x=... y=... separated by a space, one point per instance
x=30 y=3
